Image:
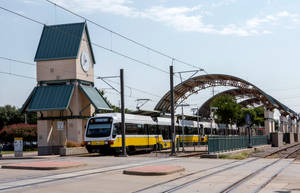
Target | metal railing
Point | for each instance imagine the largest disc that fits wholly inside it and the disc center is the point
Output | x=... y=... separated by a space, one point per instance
x=229 y=143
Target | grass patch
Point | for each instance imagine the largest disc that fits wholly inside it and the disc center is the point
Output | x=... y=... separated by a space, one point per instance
x=238 y=156
x=222 y=156
x=257 y=150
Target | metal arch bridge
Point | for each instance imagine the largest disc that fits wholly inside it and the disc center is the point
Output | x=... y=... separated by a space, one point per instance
x=243 y=89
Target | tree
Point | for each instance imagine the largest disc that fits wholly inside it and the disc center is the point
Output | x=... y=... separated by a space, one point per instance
x=257 y=115
x=114 y=108
x=12 y=115
x=228 y=111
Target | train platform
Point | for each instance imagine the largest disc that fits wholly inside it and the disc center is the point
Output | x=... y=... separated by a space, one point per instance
x=43 y=165
x=154 y=170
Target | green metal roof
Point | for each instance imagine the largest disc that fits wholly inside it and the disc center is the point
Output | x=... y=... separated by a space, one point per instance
x=45 y=98
x=61 y=42
x=95 y=97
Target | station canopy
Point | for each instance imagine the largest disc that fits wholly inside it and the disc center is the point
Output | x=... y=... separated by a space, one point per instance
x=95 y=97
x=243 y=88
x=58 y=97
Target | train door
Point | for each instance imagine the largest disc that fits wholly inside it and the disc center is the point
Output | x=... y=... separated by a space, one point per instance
x=147 y=129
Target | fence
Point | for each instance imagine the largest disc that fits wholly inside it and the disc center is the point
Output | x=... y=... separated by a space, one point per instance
x=229 y=143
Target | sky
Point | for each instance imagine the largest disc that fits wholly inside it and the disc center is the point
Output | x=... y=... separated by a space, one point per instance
x=255 y=40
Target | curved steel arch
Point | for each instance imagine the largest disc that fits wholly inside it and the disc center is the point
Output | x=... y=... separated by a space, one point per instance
x=250 y=101
x=236 y=93
x=193 y=85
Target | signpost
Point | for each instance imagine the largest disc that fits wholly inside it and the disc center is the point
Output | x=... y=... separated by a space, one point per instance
x=248 y=120
x=18 y=146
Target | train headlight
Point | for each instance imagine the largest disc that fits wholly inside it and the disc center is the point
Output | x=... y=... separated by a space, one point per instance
x=89 y=143
x=111 y=142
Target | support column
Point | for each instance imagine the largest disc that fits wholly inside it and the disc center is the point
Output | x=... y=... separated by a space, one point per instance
x=269 y=122
x=283 y=124
x=298 y=130
x=294 y=125
x=289 y=125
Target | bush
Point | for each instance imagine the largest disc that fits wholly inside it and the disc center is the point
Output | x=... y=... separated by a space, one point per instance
x=26 y=131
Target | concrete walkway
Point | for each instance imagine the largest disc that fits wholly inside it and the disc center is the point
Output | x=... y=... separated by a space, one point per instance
x=43 y=165
x=156 y=170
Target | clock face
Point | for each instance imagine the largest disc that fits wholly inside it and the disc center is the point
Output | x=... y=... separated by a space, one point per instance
x=85 y=61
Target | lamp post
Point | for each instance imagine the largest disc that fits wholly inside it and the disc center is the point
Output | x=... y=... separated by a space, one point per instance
x=182 y=126
x=195 y=112
x=248 y=120
x=212 y=109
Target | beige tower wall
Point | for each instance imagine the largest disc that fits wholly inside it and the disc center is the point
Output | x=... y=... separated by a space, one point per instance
x=50 y=139
x=81 y=75
x=64 y=69
x=56 y=70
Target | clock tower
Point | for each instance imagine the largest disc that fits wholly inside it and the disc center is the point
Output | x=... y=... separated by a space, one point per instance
x=65 y=96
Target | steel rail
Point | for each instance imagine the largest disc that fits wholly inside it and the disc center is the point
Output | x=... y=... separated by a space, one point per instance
x=196 y=179
x=279 y=150
x=180 y=177
x=256 y=172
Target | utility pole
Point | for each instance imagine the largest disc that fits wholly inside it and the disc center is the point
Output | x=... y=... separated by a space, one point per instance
x=124 y=154
x=196 y=113
x=172 y=110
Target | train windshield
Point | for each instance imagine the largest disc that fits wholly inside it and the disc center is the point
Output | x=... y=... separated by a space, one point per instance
x=99 y=127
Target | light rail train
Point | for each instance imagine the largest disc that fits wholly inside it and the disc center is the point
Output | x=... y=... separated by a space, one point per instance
x=103 y=132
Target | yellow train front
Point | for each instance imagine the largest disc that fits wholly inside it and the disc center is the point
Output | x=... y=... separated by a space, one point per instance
x=103 y=133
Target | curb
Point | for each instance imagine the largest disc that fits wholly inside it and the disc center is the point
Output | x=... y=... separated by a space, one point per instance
x=140 y=172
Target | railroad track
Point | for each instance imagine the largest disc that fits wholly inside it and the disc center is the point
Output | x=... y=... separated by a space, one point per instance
x=188 y=182
x=285 y=153
x=280 y=151
x=179 y=183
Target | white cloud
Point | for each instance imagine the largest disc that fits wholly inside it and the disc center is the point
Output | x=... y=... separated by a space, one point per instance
x=181 y=18
x=118 y=7
x=221 y=3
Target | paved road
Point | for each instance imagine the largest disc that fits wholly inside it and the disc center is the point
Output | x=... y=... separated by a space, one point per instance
x=104 y=174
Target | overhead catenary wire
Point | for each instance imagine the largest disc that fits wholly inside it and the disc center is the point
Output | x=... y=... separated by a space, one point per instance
x=32 y=64
x=123 y=36
x=33 y=78
x=136 y=89
x=18 y=75
x=95 y=44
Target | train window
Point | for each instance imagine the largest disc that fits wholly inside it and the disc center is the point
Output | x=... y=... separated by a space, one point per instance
x=178 y=130
x=152 y=129
x=117 y=129
x=99 y=127
x=133 y=129
x=187 y=131
x=165 y=130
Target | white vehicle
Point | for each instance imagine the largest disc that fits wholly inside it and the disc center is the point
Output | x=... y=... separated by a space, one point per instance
x=103 y=132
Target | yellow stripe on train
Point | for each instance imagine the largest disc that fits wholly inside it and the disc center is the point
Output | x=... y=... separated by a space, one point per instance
x=145 y=141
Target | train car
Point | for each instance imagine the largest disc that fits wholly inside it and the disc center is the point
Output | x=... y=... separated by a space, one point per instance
x=103 y=133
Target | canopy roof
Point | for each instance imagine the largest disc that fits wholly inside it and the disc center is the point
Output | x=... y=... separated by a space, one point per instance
x=193 y=85
x=45 y=98
x=58 y=97
x=96 y=99
x=62 y=42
